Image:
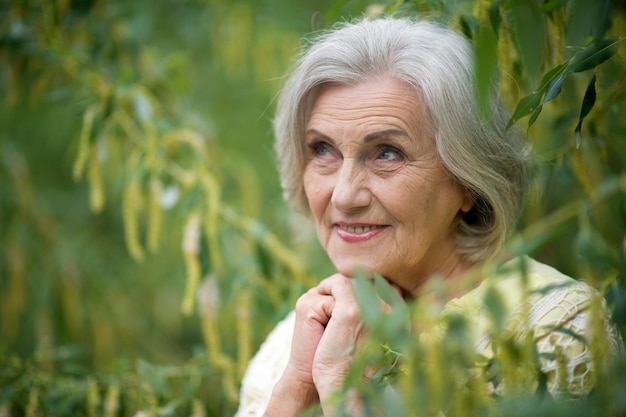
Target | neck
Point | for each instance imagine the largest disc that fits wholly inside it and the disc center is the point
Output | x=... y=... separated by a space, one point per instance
x=449 y=283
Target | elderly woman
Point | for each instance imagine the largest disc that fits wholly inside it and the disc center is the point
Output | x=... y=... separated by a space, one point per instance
x=379 y=139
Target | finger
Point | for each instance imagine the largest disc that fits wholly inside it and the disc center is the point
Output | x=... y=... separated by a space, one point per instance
x=338 y=286
x=313 y=307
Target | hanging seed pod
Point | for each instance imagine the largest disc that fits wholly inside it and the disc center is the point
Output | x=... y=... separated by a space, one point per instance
x=197 y=408
x=32 y=407
x=208 y=300
x=191 y=245
x=155 y=214
x=93 y=397
x=96 y=182
x=83 y=143
x=130 y=202
x=112 y=401
x=211 y=216
x=243 y=331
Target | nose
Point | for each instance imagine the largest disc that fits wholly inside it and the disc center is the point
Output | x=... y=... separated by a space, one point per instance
x=351 y=190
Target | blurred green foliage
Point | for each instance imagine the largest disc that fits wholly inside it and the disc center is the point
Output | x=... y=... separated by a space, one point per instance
x=145 y=250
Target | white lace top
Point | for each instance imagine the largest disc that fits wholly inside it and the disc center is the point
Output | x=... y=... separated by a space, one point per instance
x=565 y=305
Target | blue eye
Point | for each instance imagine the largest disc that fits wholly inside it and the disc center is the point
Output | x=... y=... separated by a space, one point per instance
x=322 y=150
x=389 y=154
x=319 y=149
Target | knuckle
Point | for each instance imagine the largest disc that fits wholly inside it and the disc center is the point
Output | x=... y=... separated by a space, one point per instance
x=304 y=302
x=351 y=313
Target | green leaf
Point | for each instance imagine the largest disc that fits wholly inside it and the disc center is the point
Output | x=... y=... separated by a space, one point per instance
x=550 y=5
x=550 y=75
x=593 y=55
x=587 y=19
x=554 y=88
x=525 y=106
x=469 y=25
x=368 y=300
x=552 y=82
x=486 y=47
x=588 y=102
x=494 y=15
x=386 y=292
x=532 y=103
x=534 y=116
x=589 y=58
x=495 y=308
x=529 y=35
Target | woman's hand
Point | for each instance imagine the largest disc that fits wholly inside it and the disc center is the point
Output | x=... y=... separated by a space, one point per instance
x=340 y=340
x=326 y=335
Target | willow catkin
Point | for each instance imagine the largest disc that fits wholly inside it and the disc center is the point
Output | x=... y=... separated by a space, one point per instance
x=155 y=214
x=556 y=43
x=96 y=181
x=226 y=365
x=243 y=331
x=131 y=201
x=209 y=300
x=434 y=371
x=32 y=407
x=112 y=401
x=481 y=11
x=212 y=192
x=93 y=397
x=197 y=408
x=128 y=126
x=599 y=349
x=191 y=248
x=83 y=143
x=509 y=88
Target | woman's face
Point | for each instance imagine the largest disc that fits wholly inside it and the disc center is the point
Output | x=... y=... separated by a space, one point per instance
x=380 y=197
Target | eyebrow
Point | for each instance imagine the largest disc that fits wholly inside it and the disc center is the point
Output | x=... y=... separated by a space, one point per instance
x=368 y=138
x=384 y=133
x=319 y=134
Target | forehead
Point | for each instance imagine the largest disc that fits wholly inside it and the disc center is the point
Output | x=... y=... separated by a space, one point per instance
x=383 y=101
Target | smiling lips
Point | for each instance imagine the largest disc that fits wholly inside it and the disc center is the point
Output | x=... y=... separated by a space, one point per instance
x=353 y=233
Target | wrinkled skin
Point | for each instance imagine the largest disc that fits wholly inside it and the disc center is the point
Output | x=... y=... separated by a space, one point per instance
x=382 y=202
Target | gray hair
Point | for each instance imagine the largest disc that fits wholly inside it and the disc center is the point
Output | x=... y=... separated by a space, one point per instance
x=482 y=155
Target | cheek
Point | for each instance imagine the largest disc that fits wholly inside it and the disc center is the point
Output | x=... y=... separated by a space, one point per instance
x=419 y=202
x=314 y=192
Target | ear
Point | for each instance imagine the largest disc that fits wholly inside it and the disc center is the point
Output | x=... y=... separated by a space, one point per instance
x=469 y=198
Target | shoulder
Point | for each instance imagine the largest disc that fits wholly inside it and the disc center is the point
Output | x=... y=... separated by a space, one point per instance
x=524 y=280
x=568 y=319
x=542 y=297
x=265 y=369
x=554 y=297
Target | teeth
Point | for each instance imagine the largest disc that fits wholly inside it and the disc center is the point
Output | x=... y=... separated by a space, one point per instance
x=358 y=229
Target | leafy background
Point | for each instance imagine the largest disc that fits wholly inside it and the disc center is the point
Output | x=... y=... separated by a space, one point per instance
x=145 y=248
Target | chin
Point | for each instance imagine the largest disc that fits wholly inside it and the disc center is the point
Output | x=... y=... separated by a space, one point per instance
x=352 y=268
